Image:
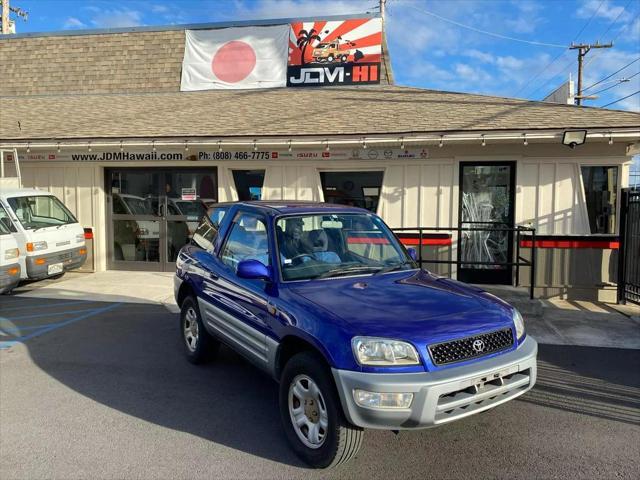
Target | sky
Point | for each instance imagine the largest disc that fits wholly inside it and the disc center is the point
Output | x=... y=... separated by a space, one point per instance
x=426 y=51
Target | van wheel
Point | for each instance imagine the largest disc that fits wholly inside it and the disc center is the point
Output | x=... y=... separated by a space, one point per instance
x=312 y=416
x=343 y=58
x=330 y=58
x=199 y=346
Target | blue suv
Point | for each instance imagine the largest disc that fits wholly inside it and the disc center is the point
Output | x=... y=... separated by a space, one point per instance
x=326 y=300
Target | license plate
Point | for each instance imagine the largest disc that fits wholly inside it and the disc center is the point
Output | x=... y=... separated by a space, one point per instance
x=55 y=268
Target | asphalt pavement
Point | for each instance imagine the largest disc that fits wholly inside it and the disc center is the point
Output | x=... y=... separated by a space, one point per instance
x=94 y=389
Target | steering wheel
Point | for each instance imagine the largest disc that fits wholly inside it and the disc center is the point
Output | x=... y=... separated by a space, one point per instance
x=298 y=258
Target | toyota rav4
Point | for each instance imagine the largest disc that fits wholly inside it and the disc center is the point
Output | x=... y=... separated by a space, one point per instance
x=327 y=301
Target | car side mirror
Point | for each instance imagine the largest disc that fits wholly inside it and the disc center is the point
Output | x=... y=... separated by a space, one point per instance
x=254 y=270
x=413 y=253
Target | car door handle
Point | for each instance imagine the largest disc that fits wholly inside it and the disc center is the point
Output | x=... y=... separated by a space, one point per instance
x=212 y=276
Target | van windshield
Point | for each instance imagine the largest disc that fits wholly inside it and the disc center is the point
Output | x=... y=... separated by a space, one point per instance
x=40 y=211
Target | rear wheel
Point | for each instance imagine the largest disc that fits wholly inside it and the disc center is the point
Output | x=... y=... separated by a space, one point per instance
x=312 y=415
x=330 y=58
x=199 y=346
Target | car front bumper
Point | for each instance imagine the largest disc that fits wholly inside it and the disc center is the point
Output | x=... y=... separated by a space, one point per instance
x=9 y=277
x=443 y=395
x=38 y=265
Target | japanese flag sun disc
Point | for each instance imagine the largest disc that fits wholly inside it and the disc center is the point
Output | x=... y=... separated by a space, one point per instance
x=244 y=57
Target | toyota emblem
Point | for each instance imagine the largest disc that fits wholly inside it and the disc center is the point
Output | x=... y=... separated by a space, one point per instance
x=478 y=345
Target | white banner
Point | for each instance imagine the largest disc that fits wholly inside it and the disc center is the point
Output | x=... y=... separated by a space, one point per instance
x=229 y=58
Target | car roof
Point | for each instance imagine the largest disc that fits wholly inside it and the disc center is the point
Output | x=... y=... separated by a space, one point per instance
x=282 y=207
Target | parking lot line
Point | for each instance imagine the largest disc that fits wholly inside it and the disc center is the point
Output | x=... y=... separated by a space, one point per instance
x=53 y=326
x=48 y=314
x=48 y=305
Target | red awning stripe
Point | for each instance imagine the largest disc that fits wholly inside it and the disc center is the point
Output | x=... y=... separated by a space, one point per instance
x=602 y=244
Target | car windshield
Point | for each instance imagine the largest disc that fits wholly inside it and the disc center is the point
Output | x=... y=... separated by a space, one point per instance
x=40 y=211
x=324 y=246
x=138 y=206
x=191 y=209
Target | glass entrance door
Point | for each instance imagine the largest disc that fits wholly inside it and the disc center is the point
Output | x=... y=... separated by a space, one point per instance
x=153 y=213
x=486 y=205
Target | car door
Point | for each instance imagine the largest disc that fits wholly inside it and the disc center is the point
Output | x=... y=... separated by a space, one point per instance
x=237 y=309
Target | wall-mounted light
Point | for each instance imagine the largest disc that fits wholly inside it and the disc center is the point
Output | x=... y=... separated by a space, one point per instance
x=58 y=147
x=186 y=146
x=89 y=146
x=289 y=145
x=525 y=142
x=326 y=147
x=484 y=143
x=610 y=138
x=255 y=146
x=121 y=146
x=441 y=143
x=28 y=148
x=364 y=144
x=573 y=138
x=153 y=145
x=402 y=143
x=219 y=146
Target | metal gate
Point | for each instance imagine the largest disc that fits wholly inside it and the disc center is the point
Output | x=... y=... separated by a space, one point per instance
x=629 y=252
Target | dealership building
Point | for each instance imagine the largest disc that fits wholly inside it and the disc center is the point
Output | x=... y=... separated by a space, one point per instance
x=119 y=126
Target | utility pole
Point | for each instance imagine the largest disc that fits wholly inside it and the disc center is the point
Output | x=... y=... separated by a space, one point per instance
x=583 y=49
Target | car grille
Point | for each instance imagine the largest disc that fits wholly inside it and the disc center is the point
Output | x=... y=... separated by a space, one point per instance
x=463 y=349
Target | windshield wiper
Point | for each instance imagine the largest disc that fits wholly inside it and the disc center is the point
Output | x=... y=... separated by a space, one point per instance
x=339 y=272
x=391 y=268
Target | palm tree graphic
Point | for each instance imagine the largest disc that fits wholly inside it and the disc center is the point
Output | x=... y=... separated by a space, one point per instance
x=304 y=40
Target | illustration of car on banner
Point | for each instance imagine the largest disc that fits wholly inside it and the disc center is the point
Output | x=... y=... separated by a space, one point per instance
x=335 y=52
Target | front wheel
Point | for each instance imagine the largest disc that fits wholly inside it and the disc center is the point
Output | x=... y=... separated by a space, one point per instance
x=312 y=415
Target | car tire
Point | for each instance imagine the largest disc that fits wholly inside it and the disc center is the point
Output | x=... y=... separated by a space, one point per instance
x=330 y=58
x=199 y=346
x=343 y=58
x=337 y=440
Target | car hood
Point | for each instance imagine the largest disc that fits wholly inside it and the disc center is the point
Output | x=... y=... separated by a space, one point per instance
x=411 y=305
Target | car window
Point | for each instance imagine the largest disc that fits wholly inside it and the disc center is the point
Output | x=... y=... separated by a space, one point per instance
x=246 y=241
x=207 y=232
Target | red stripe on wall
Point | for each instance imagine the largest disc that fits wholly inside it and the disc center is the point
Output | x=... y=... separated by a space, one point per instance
x=604 y=244
x=405 y=241
x=426 y=241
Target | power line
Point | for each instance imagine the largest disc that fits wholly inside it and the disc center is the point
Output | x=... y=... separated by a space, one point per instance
x=609 y=76
x=560 y=54
x=629 y=23
x=485 y=32
x=619 y=82
x=620 y=99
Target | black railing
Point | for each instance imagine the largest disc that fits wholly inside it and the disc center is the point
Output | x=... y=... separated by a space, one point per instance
x=520 y=235
x=629 y=249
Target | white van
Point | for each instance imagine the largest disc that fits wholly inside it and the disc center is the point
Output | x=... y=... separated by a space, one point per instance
x=9 y=254
x=46 y=231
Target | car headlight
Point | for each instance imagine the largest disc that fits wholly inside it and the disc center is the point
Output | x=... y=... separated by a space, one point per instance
x=519 y=323
x=80 y=237
x=11 y=253
x=383 y=352
x=35 y=246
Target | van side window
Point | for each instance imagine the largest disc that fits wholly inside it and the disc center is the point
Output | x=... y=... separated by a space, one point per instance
x=6 y=225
